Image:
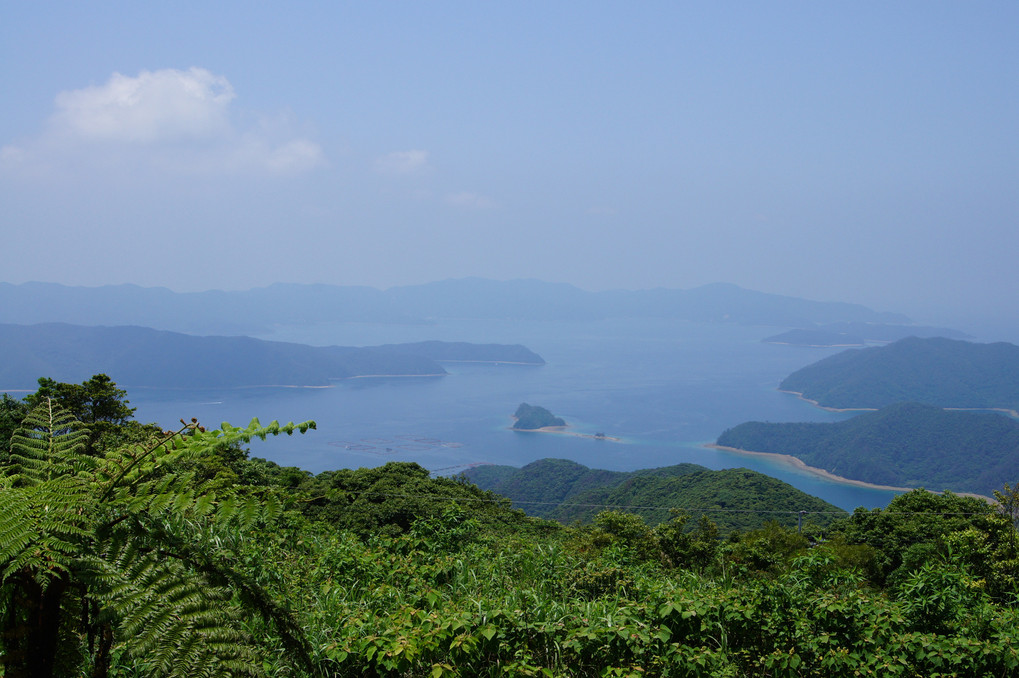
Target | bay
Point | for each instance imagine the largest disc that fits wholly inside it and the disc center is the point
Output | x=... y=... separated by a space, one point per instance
x=664 y=387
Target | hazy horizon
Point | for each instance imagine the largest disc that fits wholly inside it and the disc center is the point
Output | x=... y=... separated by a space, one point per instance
x=864 y=153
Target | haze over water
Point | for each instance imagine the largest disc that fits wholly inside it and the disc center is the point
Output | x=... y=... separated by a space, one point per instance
x=665 y=387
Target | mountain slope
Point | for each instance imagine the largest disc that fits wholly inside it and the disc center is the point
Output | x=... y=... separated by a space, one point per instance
x=934 y=371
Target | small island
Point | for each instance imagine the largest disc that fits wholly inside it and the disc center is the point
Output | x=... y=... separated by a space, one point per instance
x=534 y=418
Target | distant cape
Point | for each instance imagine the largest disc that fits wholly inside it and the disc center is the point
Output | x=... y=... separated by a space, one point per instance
x=143 y=357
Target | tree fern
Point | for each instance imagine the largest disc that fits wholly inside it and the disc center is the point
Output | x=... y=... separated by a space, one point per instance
x=49 y=443
x=124 y=548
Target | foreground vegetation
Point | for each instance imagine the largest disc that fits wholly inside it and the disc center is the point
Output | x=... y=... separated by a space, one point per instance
x=176 y=554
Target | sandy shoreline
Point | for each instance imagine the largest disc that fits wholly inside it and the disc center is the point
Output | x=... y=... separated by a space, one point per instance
x=821 y=473
x=813 y=470
x=1003 y=410
x=561 y=430
x=824 y=407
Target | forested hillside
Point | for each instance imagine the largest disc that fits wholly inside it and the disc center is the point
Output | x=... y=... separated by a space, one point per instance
x=934 y=371
x=732 y=498
x=904 y=445
x=142 y=552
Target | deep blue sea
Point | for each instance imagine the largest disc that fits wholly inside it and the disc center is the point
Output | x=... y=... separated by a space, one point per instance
x=664 y=387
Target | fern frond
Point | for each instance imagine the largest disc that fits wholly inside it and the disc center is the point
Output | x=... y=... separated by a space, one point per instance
x=42 y=528
x=49 y=443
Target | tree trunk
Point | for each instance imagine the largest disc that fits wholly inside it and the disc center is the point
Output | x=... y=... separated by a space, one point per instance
x=31 y=628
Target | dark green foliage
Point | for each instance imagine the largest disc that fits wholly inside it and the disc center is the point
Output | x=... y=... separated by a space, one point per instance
x=532 y=417
x=732 y=498
x=389 y=499
x=100 y=405
x=920 y=527
x=96 y=400
x=903 y=445
x=117 y=551
x=539 y=487
x=934 y=371
x=12 y=412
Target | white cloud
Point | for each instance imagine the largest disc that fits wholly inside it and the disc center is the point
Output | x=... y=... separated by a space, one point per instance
x=402 y=162
x=156 y=106
x=169 y=119
x=469 y=200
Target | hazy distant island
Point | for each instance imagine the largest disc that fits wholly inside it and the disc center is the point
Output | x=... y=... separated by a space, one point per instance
x=256 y=311
x=857 y=334
x=566 y=491
x=934 y=371
x=143 y=357
x=905 y=445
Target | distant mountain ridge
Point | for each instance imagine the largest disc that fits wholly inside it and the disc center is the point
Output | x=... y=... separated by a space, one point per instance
x=140 y=356
x=933 y=371
x=733 y=498
x=253 y=311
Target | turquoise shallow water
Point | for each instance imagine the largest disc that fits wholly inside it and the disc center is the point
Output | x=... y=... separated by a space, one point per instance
x=664 y=387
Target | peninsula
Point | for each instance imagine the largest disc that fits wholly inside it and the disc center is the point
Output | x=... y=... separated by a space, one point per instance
x=144 y=357
x=899 y=446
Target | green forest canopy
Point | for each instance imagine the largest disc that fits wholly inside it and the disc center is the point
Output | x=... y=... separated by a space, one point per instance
x=566 y=491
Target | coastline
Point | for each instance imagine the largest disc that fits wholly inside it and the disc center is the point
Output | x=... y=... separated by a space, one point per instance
x=1004 y=410
x=825 y=407
x=386 y=376
x=561 y=430
x=790 y=343
x=489 y=362
x=799 y=464
x=813 y=470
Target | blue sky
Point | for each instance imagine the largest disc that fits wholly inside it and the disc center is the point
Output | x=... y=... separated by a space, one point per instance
x=856 y=151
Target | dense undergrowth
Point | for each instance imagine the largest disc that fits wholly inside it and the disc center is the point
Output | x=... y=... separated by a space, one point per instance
x=388 y=572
